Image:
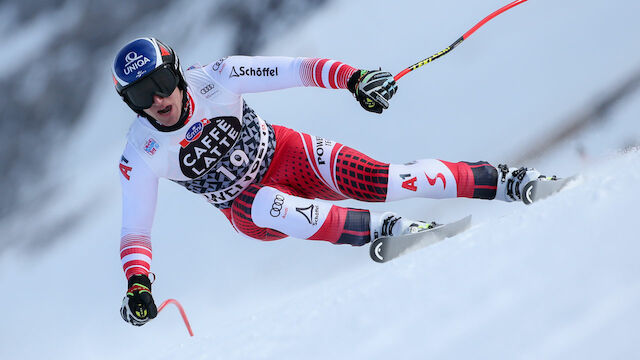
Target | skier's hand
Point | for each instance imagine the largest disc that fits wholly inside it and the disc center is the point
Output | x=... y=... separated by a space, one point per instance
x=138 y=306
x=373 y=89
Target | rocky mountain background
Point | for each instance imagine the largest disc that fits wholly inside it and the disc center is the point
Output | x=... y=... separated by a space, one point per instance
x=53 y=54
x=56 y=54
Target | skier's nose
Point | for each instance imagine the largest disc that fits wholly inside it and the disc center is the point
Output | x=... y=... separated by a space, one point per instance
x=157 y=99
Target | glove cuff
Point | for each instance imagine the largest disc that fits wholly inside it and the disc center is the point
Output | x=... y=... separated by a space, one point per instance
x=353 y=81
x=140 y=280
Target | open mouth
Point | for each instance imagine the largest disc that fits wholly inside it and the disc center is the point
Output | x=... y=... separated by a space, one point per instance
x=165 y=110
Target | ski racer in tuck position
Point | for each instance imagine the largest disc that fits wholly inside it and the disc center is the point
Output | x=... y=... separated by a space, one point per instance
x=195 y=129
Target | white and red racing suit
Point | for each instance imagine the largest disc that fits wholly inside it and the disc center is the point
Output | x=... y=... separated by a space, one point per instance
x=266 y=178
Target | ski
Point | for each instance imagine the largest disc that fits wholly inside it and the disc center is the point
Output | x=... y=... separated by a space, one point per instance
x=542 y=188
x=390 y=247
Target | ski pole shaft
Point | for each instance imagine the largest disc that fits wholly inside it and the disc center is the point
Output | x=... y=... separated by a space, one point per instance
x=184 y=315
x=457 y=42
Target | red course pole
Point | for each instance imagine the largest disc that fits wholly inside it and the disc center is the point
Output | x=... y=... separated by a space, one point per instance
x=460 y=39
x=184 y=315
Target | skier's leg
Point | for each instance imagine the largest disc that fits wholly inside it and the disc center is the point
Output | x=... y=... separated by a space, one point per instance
x=274 y=212
x=442 y=179
x=319 y=168
x=306 y=167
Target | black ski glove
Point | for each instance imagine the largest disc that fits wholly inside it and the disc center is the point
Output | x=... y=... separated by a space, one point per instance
x=373 y=89
x=138 y=306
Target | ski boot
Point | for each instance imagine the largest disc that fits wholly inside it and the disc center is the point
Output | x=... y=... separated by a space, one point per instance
x=512 y=182
x=390 y=224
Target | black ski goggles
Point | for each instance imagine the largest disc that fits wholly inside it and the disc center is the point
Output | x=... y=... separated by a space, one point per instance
x=161 y=81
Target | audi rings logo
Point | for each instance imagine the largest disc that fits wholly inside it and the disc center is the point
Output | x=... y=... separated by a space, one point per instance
x=206 y=89
x=276 y=207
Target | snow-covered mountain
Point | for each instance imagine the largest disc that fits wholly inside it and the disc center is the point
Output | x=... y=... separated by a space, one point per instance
x=558 y=279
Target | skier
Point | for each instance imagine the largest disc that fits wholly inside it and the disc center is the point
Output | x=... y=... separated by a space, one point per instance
x=194 y=128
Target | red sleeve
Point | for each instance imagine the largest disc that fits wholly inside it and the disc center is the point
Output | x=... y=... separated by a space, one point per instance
x=325 y=73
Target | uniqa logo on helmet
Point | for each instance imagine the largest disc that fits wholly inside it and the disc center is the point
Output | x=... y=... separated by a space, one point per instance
x=135 y=62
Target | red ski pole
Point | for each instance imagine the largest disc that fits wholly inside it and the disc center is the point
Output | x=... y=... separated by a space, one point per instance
x=460 y=40
x=184 y=315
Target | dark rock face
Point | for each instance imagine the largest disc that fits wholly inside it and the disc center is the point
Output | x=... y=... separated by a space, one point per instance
x=255 y=21
x=47 y=92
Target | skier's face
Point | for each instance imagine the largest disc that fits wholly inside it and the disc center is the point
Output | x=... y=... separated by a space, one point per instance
x=166 y=110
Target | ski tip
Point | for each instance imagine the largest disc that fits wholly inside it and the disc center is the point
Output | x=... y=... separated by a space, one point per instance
x=466 y=221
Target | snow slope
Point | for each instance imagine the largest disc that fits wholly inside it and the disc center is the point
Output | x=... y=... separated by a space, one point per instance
x=558 y=280
x=553 y=280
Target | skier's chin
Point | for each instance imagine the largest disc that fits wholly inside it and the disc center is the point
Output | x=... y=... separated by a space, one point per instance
x=167 y=116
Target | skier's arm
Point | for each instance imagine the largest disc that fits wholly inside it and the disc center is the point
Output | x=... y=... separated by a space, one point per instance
x=139 y=193
x=250 y=74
